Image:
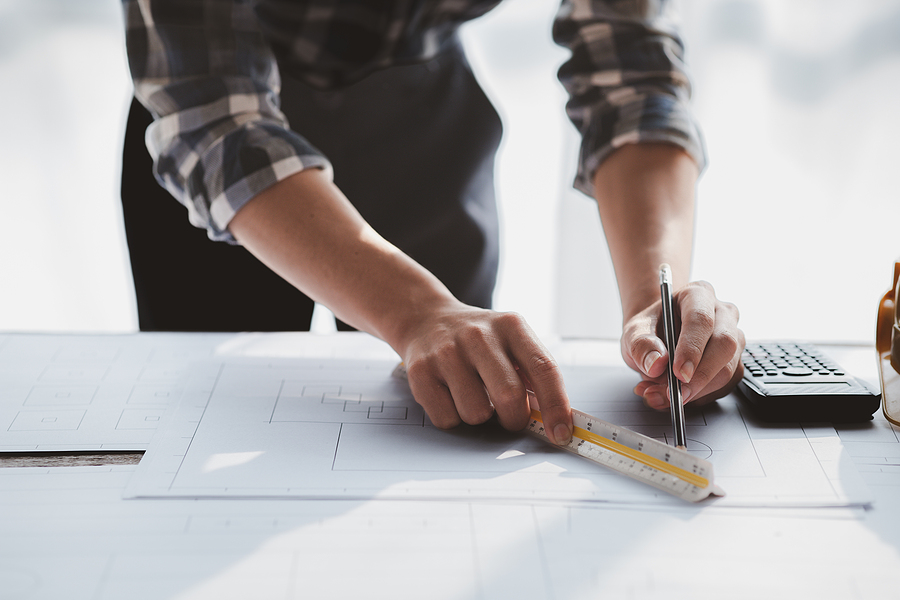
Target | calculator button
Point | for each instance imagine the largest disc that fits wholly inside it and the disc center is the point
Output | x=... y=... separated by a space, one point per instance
x=798 y=371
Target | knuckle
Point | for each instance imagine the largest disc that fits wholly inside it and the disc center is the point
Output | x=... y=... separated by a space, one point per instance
x=511 y=321
x=479 y=415
x=742 y=340
x=703 y=286
x=639 y=346
x=475 y=336
x=702 y=377
x=542 y=366
x=554 y=403
x=732 y=308
x=444 y=421
x=695 y=352
x=508 y=395
x=703 y=318
x=445 y=354
x=729 y=342
x=418 y=370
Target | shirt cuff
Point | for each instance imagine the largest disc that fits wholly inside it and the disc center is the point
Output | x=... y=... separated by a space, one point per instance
x=223 y=208
x=649 y=119
x=216 y=183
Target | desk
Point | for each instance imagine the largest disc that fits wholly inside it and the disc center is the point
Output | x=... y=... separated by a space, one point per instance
x=65 y=532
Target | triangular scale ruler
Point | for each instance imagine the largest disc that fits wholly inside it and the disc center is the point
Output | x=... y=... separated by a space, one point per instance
x=651 y=461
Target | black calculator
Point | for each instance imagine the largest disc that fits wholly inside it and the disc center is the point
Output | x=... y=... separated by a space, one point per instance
x=796 y=381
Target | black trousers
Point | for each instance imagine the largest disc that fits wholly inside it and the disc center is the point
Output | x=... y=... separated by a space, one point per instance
x=412 y=147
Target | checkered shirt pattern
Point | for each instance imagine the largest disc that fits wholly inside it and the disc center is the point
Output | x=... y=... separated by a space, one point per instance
x=208 y=71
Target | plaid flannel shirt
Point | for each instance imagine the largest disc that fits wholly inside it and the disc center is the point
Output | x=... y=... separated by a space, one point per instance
x=208 y=71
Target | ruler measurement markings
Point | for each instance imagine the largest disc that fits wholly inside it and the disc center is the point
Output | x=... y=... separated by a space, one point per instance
x=628 y=452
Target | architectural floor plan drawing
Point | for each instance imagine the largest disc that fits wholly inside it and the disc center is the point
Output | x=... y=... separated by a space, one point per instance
x=347 y=429
x=71 y=536
x=103 y=392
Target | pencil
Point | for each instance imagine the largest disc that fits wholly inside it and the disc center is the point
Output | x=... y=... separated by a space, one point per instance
x=665 y=290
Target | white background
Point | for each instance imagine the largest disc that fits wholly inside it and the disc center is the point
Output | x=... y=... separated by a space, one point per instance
x=798 y=217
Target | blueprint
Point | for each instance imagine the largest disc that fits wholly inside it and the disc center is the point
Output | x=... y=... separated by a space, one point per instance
x=66 y=533
x=320 y=429
x=96 y=392
x=82 y=392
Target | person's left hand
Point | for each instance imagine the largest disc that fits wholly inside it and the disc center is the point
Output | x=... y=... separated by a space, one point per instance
x=707 y=351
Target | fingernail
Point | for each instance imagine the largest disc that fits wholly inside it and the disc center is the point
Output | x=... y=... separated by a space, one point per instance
x=687 y=371
x=685 y=393
x=650 y=360
x=562 y=434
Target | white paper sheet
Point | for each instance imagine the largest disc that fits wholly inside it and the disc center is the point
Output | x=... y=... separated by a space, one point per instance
x=66 y=533
x=95 y=392
x=346 y=429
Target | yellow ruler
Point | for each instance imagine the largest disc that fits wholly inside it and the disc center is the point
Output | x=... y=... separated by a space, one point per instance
x=651 y=461
x=665 y=467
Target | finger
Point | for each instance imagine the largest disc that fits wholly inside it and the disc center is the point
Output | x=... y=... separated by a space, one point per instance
x=721 y=385
x=721 y=356
x=542 y=371
x=642 y=348
x=697 y=312
x=643 y=386
x=501 y=385
x=653 y=391
x=506 y=391
x=451 y=390
x=656 y=397
x=646 y=384
x=433 y=396
x=470 y=398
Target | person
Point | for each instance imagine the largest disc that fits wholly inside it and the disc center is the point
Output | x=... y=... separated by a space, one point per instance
x=396 y=230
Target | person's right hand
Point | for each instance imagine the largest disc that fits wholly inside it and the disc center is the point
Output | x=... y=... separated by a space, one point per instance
x=466 y=364
x=707 y=354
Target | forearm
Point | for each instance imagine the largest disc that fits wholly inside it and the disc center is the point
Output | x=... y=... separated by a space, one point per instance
x=304 y=229
x=464 y=363
x=645 y=194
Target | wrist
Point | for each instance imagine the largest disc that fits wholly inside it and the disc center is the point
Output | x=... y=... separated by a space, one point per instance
x=418 y=310
x=637 y=302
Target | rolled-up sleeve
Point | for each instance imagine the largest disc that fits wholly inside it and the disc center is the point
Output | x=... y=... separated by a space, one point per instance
x=206 y=73
x=626 y=79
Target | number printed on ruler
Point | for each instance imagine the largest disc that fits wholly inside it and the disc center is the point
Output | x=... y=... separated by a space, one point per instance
x=640 y=457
